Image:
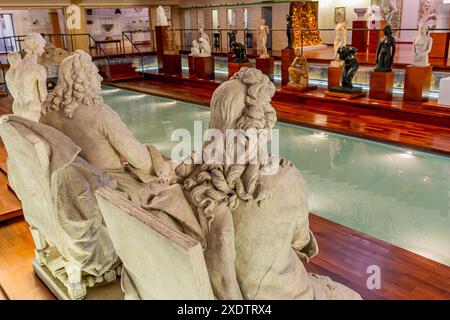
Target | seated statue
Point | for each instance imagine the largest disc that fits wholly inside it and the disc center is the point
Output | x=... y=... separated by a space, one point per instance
x=251 y=216
x=239 y=52
x=422 y=47
x=195 y=50
x=76 y=109
x=27 y=80
x=205 y=48
x=298 y=71
x=385 y=51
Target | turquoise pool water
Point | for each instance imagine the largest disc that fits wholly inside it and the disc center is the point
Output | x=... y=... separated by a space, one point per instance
x=397 y=195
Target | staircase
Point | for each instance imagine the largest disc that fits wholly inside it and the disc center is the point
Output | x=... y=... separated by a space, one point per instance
x=10 y=206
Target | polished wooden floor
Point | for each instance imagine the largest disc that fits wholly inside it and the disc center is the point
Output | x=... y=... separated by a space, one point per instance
x=345 y=254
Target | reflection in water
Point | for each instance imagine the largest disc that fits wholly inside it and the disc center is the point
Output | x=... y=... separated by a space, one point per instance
x=397 y=195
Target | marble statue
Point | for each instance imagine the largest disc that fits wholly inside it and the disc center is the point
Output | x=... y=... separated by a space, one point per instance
x=76 y=109
x=56 y=188
x=385 y=51
x=263 y=33
x=298 y=71
x=171 y=44
x=289 y=32
x=205 y=48
x=161 y=18
x=389 y=9
x=195 y=50
x=350 y=67
x=27 y=80
x=203 y=34
x=252 y=226
x=340 y=38
x=239 y=53
x=427 y=14
x=422 y=47
x=231 y=37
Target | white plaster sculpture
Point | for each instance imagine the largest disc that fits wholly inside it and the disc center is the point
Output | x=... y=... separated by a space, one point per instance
x=203 y=34
x=27 y=80
x=389 y=9
x=76 y=109
x=205 y=48
x=374 y=15
x=161 y=18
x=263 y=34
x=195 y=50
x=427 y=13
x=422 y=47
x=340 y=38
x=56 y=188
x=251 y=218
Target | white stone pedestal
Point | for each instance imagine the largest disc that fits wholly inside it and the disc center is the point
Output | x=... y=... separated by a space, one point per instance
x=444 y=92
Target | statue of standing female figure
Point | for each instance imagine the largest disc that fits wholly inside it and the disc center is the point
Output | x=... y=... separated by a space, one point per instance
x=422 y=46
x=385 y=51
x=289 y=31
x=263 y=33
x=27 y=80
x=340 y=38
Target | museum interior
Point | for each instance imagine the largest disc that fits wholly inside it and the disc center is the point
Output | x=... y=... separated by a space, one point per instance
x=111 y=109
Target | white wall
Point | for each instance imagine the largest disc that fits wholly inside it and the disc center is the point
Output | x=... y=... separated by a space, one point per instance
x=23 y=24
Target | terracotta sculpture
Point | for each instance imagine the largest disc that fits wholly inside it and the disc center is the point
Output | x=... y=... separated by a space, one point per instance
x=27 y=80
x=340 y=38
x=195 y=50
x=263 y=33
x=76 y=109
x=172 y=48
x=161 y=18
x=422 y=47
x=385 y=51
x=298 y=71
x=240 y=54
x=289 y=32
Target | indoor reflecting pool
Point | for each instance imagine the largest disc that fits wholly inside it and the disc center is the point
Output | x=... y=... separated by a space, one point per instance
x=394 y=194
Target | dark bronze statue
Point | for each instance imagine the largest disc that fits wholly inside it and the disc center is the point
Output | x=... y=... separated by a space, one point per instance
x=385 y=51
x=347 y=54
x=239 y=52
x=289 y=31
x=231 y=38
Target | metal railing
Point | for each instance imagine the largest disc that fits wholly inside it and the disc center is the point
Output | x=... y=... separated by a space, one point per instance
x=134 y=49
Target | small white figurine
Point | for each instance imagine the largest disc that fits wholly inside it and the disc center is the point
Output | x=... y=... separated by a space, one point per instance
x=263 y=33
x=205 y=48
x=422 y=46
x=27 y=80
x=340 y=38
x=203 y=34
x=161 y=18
x=195 y=50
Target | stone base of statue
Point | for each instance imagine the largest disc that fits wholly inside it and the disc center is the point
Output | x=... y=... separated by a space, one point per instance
x=298 y=88
x=234 y=67
x=107 y=291
x=191 y=65
x=204 y=67
x=287 y=56
x=381 y=84
x=417 y=83
x=334 y=76
x=344 y=92
x=161 y=44
x=266 y=65
x=171 y=63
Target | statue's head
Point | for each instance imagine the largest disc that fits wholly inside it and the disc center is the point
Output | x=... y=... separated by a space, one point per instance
x=195 y=43
x=423 y=29
x=14 y=58
x=78 y=83
x=263 y=22
x=298 y=52
x=34 y=43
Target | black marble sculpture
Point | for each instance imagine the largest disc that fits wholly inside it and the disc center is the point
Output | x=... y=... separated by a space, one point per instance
x=347 y=54
x=385 y=51
x=289 y=31
x=231 y=38
x=240 y=55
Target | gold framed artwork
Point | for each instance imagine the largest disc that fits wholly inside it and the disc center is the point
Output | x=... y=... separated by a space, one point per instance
x=339 y=14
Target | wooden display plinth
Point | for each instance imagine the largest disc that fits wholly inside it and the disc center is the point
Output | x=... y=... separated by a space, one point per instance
x=441 y=42
x=171 y=64
x=234 y=67
x=191 y=64
x=381 y=84
x=417 y=83
x=161 y=44
x=266 y=65
x=334 y=76
x=204 y=67
x=345 y=95
x=298 y=88
x=359 y=37
x=287 y=56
